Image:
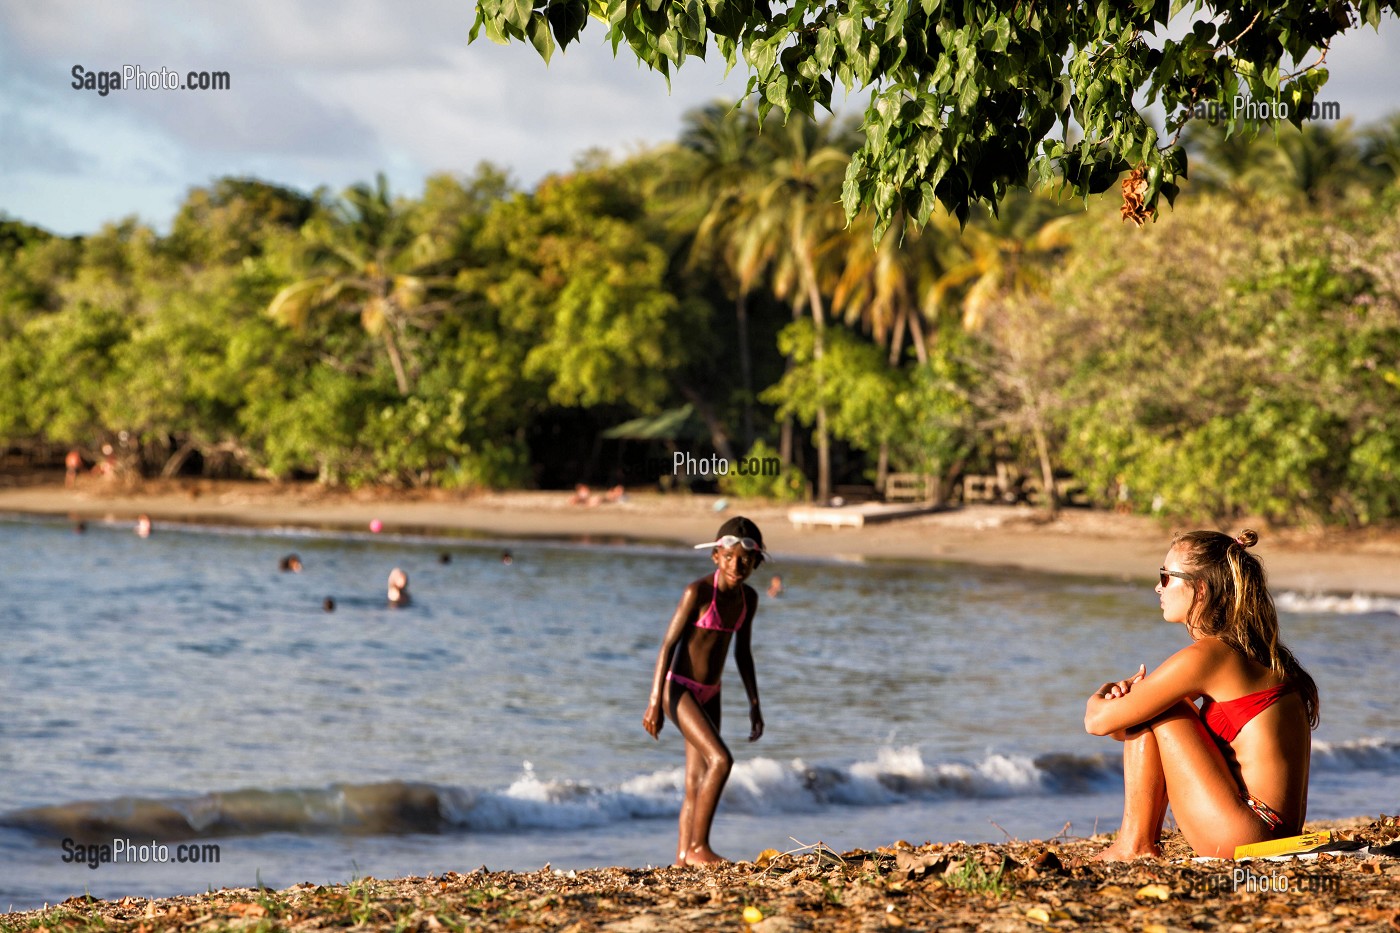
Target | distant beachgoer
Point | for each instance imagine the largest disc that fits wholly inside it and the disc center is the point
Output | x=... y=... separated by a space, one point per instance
x=444 y=558
x=328 y=605
x=72 y=464
x=143 y=526
x=775 y=586
x=398 y=589
x=289 y=564
x=584 y=496
x=617 y=494
x=107 y=466
x=1234 y=771
x=685 y=686
x=79 y=527
x=506 y=557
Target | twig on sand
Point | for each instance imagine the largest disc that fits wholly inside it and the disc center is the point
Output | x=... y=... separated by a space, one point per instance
x=1064 y=832
x=819 y=848
x=1009 y=837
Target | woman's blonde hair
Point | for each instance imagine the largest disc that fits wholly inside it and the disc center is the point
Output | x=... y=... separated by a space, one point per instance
x=1234 y=605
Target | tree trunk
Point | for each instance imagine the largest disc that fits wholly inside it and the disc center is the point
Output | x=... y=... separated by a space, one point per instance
x=741 y=314
x=395 y=360
x=1050 y=496
x=814 y=298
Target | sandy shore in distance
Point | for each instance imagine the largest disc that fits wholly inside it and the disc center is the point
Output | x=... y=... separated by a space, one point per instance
x=1081 y=541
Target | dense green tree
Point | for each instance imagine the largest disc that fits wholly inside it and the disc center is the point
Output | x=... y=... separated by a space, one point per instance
x=368 y=260
x=570 y=268
x=968 y=100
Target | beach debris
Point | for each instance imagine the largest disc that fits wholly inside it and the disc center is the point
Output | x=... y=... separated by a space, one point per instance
x=375 y=526
x=911 y=866
x=806 y=890
x=1154 y=891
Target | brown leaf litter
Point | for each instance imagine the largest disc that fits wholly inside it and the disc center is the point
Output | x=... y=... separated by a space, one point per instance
x=936 y=886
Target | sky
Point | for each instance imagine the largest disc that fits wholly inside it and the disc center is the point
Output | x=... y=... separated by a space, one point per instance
x=329 y=93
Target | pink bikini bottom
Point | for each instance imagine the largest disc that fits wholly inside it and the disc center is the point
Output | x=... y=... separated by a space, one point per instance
x=703 y=693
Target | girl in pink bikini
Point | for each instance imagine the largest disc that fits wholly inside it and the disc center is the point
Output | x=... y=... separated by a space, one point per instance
x=685 y=686
x=1235 y=771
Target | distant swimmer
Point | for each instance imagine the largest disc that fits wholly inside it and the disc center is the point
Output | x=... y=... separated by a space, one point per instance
x=444 y=558
x=290 y=564
x=398 y=588
x=775 y=586
x=506 y=558
x=328 y=604
x=143 y=526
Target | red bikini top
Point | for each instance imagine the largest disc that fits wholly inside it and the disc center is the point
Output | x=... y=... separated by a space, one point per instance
x=1225 y=718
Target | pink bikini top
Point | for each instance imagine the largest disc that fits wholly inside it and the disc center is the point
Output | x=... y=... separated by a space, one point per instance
x=711 y=618
x=1225 y=718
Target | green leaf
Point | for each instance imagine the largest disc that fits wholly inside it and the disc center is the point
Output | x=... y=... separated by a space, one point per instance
x=540 y=36
x=517 y=13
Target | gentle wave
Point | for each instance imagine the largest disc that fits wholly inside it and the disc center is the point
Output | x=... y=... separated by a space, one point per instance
x=1335 y=603
x=758 y=787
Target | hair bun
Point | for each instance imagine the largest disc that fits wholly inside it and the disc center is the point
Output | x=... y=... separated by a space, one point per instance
x=1247 y=538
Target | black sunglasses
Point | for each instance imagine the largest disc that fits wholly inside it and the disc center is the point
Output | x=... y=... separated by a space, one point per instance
x=1165 y=575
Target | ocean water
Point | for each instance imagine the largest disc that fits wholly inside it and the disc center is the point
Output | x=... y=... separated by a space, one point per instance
x=179 y=691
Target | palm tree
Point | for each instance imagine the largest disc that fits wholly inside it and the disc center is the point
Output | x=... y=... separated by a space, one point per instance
x=1000 y=285
x=725 y=153
x=370 y=263
x=1382 y=148
x=795 y=213
x=886 y=289
x=1320 y=161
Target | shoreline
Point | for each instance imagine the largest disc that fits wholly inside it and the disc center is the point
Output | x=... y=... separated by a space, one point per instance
x=1081 y=542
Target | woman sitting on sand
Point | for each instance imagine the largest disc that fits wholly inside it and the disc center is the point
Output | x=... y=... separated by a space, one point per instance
x=1236 y=770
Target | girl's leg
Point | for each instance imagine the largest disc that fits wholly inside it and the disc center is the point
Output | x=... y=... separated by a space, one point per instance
x=707 y=766
x=1144 y=800
x=1194 y=777
x=692 y=784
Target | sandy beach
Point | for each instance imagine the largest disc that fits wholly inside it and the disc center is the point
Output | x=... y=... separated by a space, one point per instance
x=1079 y=541
x=1016 y=885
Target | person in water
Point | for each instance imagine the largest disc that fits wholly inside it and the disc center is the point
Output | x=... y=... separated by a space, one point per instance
x=1235 y=771
x=685 y=686
x=398 y=589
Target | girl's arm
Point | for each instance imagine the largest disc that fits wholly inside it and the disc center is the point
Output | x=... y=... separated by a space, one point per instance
x=743 y=656
x=1184 y=675
x=654 y=718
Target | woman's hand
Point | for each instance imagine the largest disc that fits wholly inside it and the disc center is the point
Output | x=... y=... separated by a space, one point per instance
x=755 y=723
x=1118 y=688
x=654 y=719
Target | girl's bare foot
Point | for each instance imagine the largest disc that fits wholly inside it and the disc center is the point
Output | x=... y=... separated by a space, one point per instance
x=1121 y=851
x=703 y=855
